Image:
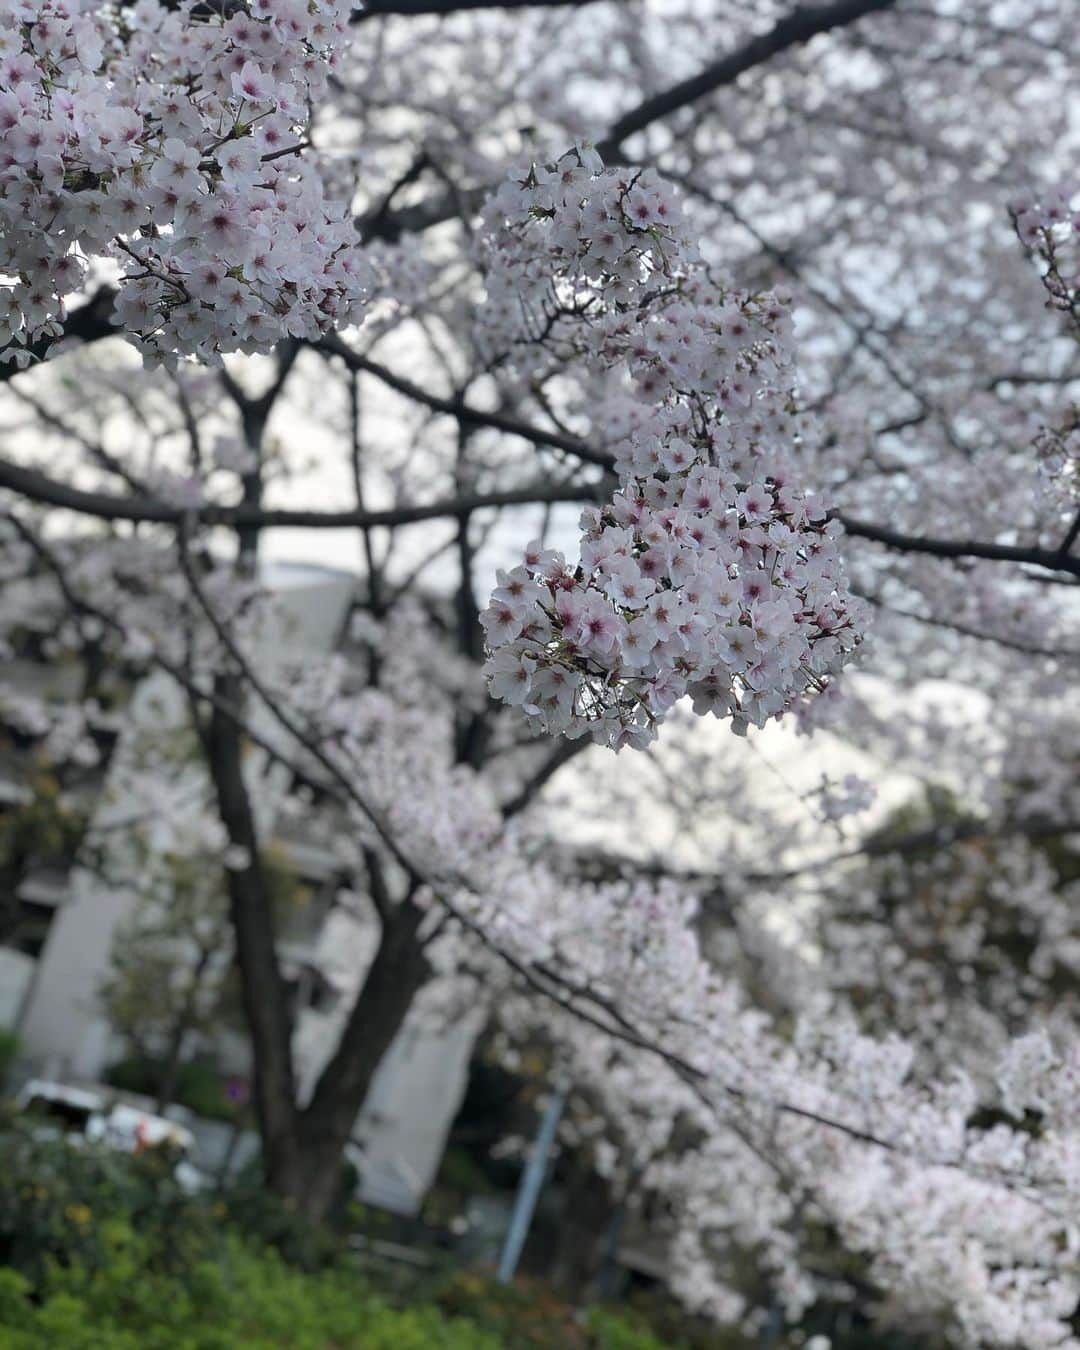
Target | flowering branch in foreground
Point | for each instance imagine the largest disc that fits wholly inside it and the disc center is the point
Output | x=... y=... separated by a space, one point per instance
x=710 y=571
x=160 y=138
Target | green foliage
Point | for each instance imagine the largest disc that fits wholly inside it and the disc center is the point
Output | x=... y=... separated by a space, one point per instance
x=58 y=1203
x=105 y=1252
x=612 y=1330
x=200 y=1086
x=243 y=1297
x=43 y=824
x=526 y=1315
x=520 y=1315
x=273 y=1222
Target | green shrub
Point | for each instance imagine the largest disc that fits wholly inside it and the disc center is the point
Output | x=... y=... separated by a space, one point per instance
x=105 y=1252
x=526 y=1315
x=245 y=1300
x=519 y=1315
x=15 y=1292
x=57 y=1203
x=273 y=1222
x=611 y=1330
x=200 y=1086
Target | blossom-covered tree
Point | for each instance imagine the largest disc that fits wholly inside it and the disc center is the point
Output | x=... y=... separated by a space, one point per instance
x=510 y=290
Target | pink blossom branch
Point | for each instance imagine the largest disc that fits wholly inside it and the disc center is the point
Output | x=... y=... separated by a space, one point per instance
x=89 y=323
x=584 y=1002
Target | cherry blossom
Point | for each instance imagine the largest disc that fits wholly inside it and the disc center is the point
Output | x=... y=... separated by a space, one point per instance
x=844 y=1066
x=196 y=187
x=709 y=572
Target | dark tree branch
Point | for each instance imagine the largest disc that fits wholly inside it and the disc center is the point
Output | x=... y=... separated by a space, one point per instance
x=38 y=487
x=375 y=220
x=378 y=890
x=255 y=409
x=97 y=452
x=561 y=753
x=375 y=9
x=964 y=630
x=34 y=486
x=465 y=414
x=398 y=971
x=933 y=837
x=796 y=28
x=959 y=548
x=1071 y=536
x=262 y=984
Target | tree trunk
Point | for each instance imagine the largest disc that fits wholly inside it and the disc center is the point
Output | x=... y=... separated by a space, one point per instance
x=263 y=988
x=303 y=1150
x=586 y=1220
x=397 y=973
x=13 y=871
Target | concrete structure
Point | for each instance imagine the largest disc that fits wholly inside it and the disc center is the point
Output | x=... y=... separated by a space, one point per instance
x=49 y=992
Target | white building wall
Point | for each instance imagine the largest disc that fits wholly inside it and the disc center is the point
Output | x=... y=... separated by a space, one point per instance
x=16 y=975
x=417 y=1091
x=62 y=1025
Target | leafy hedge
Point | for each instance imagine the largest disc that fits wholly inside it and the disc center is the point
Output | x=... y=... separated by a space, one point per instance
x=251 y=1299
x=57 y=1201
x=199 y=1086
x=526 y=1315
x=102 y=1251
x=243 y=1298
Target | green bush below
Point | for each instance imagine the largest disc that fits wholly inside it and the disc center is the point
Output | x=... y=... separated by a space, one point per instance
x=103 y=1251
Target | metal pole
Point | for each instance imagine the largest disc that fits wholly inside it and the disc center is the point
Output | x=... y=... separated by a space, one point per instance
x=532 y=1179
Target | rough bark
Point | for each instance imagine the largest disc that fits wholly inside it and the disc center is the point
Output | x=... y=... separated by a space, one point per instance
x=263 y=988
x=303 y=1149
x=397 y=973
x=12 y=875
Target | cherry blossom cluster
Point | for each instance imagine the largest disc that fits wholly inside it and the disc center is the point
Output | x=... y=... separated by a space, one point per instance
x=956 y=948
x=167 y=138
x=1048 y=223
x=951 y=1218
x=943 y=1227
x=711 y=571
x=1058 y=451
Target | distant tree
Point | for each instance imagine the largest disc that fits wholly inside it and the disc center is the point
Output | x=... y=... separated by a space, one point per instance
x=163 y=991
